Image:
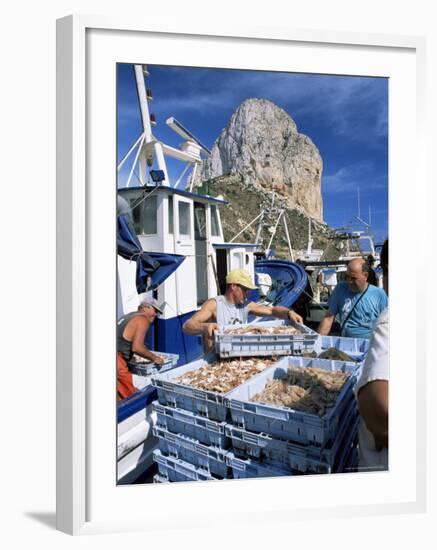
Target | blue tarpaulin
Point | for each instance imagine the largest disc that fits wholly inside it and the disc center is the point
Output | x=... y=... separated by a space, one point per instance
x=289 y=280
x=153 y=268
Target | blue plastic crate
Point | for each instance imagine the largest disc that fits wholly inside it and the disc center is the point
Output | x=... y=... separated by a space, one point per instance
x=210 y=459
x=302 y=458
x=208 y=432
x=352 y=460
x=174 y=394
x=285 y=423
x=355 y=347
x=149 y=368
x=244 y=468
x=348 y=445
x=174 y=469
x=250 y=345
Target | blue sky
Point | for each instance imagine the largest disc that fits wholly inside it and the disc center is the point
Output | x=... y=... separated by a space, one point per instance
x=346 y=117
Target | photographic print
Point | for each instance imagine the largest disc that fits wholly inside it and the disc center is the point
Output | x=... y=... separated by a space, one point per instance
x=252 y=274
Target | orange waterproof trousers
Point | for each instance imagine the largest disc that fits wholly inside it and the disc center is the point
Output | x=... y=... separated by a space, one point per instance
x=125 y=386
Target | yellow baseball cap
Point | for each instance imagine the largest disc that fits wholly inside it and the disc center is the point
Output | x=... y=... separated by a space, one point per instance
x=240 y=277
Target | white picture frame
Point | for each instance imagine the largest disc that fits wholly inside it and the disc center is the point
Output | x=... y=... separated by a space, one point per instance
x=87 y=498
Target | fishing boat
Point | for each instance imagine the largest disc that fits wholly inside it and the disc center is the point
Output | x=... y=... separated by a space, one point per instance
x=171 y=245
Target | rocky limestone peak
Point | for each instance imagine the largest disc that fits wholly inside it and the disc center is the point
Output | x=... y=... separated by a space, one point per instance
x=261 y=143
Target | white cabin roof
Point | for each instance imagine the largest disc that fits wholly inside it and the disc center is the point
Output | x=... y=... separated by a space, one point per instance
x=173 y=191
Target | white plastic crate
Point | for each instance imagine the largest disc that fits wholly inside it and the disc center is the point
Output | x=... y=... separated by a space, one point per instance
x=210 y=459
x=208 y=432
x=245 y=345
x=148 y=368
x=303 y=458
x=174 y=469
x=283 y=422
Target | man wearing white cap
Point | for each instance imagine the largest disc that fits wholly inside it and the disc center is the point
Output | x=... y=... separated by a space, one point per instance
x=232 y=308
x=131 y=333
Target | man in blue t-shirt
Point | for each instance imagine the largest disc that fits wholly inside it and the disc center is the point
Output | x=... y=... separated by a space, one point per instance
x=356 y=303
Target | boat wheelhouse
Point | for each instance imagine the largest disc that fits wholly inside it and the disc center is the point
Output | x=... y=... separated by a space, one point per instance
x=173 y=221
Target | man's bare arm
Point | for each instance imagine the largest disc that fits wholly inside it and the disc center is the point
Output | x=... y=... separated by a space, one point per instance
x=139 y=327
x=280 y=312
x=203 y=321
x=326 y=323
x=373 y=407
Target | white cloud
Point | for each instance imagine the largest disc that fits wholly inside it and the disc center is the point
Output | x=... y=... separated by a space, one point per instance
x=348 y=179
x=351 y=107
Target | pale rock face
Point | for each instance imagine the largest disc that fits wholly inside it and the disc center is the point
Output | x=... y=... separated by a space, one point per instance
x=261 y=142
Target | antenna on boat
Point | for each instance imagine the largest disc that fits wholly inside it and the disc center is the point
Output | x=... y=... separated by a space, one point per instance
x=186 y=134
x=191 y=146
x=358 y=196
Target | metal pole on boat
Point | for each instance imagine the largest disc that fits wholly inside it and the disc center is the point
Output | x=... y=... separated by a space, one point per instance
x=246 y=227
x=130 y=152
x=145 y=117
x=161 y=162
x=184 y=171
x=274 y=230
x=135 y=161
x=260 y=226
x=288 y=239
x=193 y=176
x=144 y=105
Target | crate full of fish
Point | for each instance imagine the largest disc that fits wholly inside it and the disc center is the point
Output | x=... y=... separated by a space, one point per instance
x=264 y=338
x=210 y=459
x=201 y=386
x=340 y=348
x=267 y=449
x=206 y=431
x=299 y=399
x=144 y=367
x=245 y=468
x=175 y=469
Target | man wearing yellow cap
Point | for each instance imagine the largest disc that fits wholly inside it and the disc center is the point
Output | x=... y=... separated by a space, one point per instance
x=232 y=308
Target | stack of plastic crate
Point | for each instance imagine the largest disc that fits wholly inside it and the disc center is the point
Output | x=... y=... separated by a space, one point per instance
x=208 y=435
x=289 y=441
x=190 y=427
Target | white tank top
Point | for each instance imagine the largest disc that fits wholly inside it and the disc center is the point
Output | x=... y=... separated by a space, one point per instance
x=230 y=314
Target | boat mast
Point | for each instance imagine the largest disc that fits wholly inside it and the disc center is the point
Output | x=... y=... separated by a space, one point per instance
x=149 y=141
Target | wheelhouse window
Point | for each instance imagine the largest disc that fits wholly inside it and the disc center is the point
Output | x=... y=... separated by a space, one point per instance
x=150 y=216
x=137 y=217
x=184 y=219
x=215 y=228
x=143 y=211
x=237 y=260
x=199 y=221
